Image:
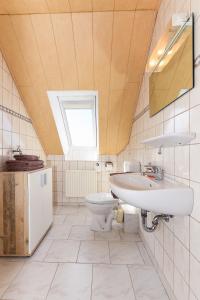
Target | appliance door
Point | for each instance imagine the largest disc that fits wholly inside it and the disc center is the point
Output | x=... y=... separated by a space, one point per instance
x=40 y=205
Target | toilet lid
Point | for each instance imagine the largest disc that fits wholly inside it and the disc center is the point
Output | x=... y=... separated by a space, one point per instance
x=100 y=198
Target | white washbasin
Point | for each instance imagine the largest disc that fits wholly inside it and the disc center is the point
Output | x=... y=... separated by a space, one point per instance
x=152 y=195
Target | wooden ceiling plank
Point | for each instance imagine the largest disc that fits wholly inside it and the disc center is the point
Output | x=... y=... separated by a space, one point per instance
x=12 y=52
x=115 y=102
x=102 y=40
x=63 y=6
x=25 y=6
x=141 y=39
x=3 y=7
x=36 y=6
x=80 y=5
x=63 y=32
x=103 y=5
x=15 y=6
x=82 y=27
x=129 y=104
x=47 y=49
x=58 y=6
x=36 y=102
x=25 y=35
x=122 y=31
x=148 y=4
x=103 y=96
x=125 y=4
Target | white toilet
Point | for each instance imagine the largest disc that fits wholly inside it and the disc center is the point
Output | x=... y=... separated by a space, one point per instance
x=101 y=206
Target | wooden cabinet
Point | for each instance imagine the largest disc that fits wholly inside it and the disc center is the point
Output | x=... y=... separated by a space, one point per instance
x=26 y=210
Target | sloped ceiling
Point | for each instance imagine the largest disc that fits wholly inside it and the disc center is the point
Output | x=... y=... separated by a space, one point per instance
x=79 y=45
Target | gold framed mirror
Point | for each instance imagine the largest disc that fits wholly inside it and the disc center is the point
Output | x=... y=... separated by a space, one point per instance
x=172 y=66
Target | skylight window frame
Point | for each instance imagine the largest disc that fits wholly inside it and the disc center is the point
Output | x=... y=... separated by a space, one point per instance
x=57 y=100
x=79 y=102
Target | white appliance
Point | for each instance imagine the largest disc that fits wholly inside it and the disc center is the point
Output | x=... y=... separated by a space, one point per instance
x=40 y=205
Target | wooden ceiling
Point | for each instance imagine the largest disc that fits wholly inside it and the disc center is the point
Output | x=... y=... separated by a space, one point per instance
x=8 y=7
x=79 y=45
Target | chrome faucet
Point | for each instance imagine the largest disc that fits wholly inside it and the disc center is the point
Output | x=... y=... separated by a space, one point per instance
x=18 y=150
x=154 y=171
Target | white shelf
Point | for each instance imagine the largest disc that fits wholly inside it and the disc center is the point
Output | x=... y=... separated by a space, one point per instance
x=171 y=139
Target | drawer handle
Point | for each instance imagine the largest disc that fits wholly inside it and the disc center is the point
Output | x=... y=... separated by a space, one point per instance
x=43 y=179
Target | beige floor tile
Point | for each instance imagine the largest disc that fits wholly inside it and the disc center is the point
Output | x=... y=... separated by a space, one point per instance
x=144 y=254
x=59 y=231
x=109 y=235
x=63 y=251
x=75 y=220
x=111 y=282
x=81 y=233
x=32 y=283
x=8 y=271
x=66 y=210
x=41 y=251
x=147 y=284
x=72 y=281
x=83 y=210
x=58 y=219
x=88 y=220
x=125 y=253
x=71 y=240
x=94 y=252
x=129 y=237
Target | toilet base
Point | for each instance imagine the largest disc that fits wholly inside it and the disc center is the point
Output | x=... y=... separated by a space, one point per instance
x=102 y=222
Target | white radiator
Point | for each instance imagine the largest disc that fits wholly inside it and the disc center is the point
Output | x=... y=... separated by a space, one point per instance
x=80 y=183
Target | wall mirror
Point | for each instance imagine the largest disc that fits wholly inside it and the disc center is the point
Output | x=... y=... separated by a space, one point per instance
x=171 y=66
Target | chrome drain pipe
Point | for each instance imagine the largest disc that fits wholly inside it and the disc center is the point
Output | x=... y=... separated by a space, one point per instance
x=155 y=221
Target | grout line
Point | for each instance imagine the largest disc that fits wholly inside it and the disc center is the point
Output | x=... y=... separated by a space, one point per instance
x=132 y=281
x=80 y=243
x=188 y=284
x=10 y=283
x=109 y=252
x=156 y=267
x=141 y=253
x=189 y=117
x=58 y=264
x=92 y=281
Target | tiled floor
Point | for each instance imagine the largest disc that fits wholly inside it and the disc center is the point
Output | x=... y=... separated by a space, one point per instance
x=73 y=263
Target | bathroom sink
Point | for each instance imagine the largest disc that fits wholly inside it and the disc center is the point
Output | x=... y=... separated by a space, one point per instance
x=153 y=195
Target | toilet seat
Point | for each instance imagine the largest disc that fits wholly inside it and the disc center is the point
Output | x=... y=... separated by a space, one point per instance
x=100 y=198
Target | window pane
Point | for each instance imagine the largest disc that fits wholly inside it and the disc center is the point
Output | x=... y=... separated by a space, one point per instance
x=80 y=122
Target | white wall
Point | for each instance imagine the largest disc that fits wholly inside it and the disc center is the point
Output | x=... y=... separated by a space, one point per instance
x=176 y=245
x=14 y=131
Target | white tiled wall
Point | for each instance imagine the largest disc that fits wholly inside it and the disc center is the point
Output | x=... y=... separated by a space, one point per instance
x=175 y=246
x=60 y=165
x=14 y=131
